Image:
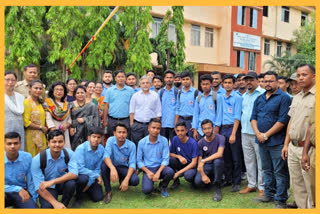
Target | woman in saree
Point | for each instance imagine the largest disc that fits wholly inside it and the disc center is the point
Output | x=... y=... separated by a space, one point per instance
x=71 y=85
x=58 y=110
x=84 y=115
x=90 y=87
x=97 y=98
x=34 y=118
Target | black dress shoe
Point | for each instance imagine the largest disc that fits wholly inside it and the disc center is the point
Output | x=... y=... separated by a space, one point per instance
x=175 y=184
x=107 y=197
x=217 y=195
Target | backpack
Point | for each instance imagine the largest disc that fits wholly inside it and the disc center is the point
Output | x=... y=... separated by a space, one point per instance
x=43 y=159
x=214 y=99
x=175 y=91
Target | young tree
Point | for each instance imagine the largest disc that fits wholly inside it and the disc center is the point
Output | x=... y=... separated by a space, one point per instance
x=178 y=21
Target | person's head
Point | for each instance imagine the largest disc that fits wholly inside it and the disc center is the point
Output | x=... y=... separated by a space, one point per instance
x=131 y=79
x=12 y=143
x=120 y=77
x=157 y=82
x=94 y=136
x=207 y=127
x=58 y=91
x=55 y=140
x=241 y=81
x=80 y=93
x=283 y=83
x=252 y=81
x=151 y=74
x=206 y=82
x=186 y=79
x=154 y=127
x=71 y=84
x=177 y=80
x=261 y=80
x=120 y=132
x=271 y=81
x=294 y=86
x=216 y=79
x=228 y=81
x=169 y=77
x=10 y=79
x=306 y=76
x=90 y=86
x=35 y=88
x=107 y=77
x=99 y=88
x=30 y=72
x=84 y=82
x=145 y=83
x=181 y=130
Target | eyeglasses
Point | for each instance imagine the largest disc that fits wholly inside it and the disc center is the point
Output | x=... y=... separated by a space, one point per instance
x=10 y=80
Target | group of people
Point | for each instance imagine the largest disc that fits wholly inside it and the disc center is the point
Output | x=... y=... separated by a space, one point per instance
x=74 y=137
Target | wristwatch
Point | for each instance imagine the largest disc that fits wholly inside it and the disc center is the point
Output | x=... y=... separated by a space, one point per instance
x=40 y=128
x=202 y=161
x=265 y=137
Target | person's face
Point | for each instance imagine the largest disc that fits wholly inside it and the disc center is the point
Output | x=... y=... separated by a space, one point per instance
x=150 y=75
x=186 y=82
x=261 y=82
x=120 y=79
x=30 y=74
x=216 y=80
x=145 y=84
x=228 y=84
x=283 y=85
x=242 y=83
x=154 y=129
x=120 y=133
x=271 y=83
x=36 y=89
x=94 y=140
x=207 y=129
x=236 y=84
x=305 y=77
x=295 y=87
x=9 y=82
x=71 y=85
x=80 y=95
x=58 y=92
x=181 y=132
x=83 y=83
x=252 y=83
x=131 y=80
x=56 y=144
x=157 y=83
x=90 y=88
x=206 y=86
x=12 y=146
x=177 y=79
x=168 y=79
x=98 y=89
x=107 y=78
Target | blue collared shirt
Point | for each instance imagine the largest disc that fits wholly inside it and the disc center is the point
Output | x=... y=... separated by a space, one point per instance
x=136 y=89
x=268 y=112
x=206 y=110
x=168 y=105
x=123 y=156
x=105 y=89
x=152 y=88
x=186 y=102
x=221 y=90
x=231 y=108
x=247 y=106
x=54 y=169
x=153 y=155
x=18 y=174
x=289 y=95
x=89 y=161
x=119 y=101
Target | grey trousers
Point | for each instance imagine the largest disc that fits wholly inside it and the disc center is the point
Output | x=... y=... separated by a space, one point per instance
x=138 y=131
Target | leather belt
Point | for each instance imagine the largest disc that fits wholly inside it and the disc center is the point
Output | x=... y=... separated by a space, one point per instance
x=146 y=123
x=297 y=143
x=123 y=118
x=227 y=126
x=186 y=118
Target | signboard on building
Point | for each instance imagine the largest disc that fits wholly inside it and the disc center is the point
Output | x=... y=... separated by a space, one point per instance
x=242 y=40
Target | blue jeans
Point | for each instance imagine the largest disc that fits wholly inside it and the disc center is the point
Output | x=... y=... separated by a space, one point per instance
x=275 y=172
x=166 y=175
x=15 y=200
x=95 y=190
x=213 y=171
x=176 y=165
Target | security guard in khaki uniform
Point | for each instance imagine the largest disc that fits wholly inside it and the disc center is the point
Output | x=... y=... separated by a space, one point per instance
x=302 y=104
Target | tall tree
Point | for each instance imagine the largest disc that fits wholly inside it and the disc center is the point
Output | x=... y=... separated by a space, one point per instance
x=178 y=21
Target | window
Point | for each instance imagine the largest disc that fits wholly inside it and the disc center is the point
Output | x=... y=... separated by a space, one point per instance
x=267 y=47
x=208 y=37
x=195 y=35
x=172 y=34
x=240 y=59
x=304 y=19
x=285 y=13
x=253 y=18
x=156 y=27
x=252 y=61
x=288 y=49
x=265 y=11
x=241 y=15
x=279 y=49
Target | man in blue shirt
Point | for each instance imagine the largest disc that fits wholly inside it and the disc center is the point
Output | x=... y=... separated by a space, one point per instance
x=269 y=120
x=231 y=115
x=107 y=81
x=168 y=97
x=186 y=101
x=131 y=80
x=153 y=159
x=157 y=83
x=117 y=100
x=89 y=157
x=284 y=83
x=210 y=160
x=53 y=174
x=183 y=155
x=216 y=82
x=119 y=161
x=242 y=84
x=19 y=188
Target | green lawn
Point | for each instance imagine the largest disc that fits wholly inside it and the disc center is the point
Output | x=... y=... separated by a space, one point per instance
x=183 y=197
